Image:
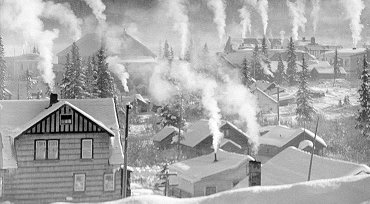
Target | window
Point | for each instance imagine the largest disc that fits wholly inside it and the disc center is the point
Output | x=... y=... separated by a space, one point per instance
x=46 y=149
x=210 y=190
x=109 y=182
x=79 y=182
x=86 y=148
x=226 y=132
x=65 y=119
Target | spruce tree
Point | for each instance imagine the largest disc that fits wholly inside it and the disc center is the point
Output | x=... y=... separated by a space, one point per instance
x=246 y=73
x=66 y=87
x=292 y=65
x=78 y=80
x=265 y=59
x=264 y=47
x=304 y=109
x=2 y=71
x=228 y=47
x=166 y=50
x=90 y=80
x=336 y=66
x=105 y=82
x=170 y=56
x=363 y=118
x=280 y=75
x=29 y=84
x=257 y=68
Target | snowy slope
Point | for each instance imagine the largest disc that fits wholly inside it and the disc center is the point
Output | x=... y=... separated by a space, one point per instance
x=343 y=190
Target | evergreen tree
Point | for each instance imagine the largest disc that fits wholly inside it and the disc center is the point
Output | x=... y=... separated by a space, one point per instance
x=264 y=47
x=2 y=70
x=266 y=60
x=245 y=72
x=166 y=50
x=292 y=65
x=280 y=75
x=78 y=80
x=257 y=68
x=160 y=51
x=66 y=87
x=105 y=82
x=29 y=84
x=304 y=109
x=336 y=66
x=205 y=49
x=170 y=56
x=228 y=47
x=91 y=76
x=363 y=118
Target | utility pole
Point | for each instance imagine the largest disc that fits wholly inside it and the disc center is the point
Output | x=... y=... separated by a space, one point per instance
x=124 y=179
x=313 y=149
x=278 y=105
x=166 y=185
x=179 y=137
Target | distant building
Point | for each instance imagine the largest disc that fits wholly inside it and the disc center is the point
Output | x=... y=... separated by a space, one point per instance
x=250 y=43
x=278 y=138
x=327 y=73
x=350 y=59
x=17 y=66
x=266 y=103
x=314 y=48
x=203 y=175
x=164 y=139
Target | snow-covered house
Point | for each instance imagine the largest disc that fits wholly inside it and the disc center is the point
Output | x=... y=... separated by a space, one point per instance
x=203 y=175
x=198 y=138
x=266 y=103
x=281 y=137
x=60 y=150
x=327 y=73
x=292 y=166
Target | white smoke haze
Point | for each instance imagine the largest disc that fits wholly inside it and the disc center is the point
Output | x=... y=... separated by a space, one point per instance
x=178 y=13
x=218 y=8
x=98 y=8
x=119 y=70
x=245 y=22
x=282 y=37
x=159 y=88
x=353 y=10
x=297 y=15
x=23 y=17
x=315 y=14
x=65 y=16
x=261 y=6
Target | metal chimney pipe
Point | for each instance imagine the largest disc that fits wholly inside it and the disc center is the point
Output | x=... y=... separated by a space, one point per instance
x=215 y=157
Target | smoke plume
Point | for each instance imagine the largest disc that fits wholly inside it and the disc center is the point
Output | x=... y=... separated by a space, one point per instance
x=246 y=21
x=282 y=37
x=315 y=14
x=297 y=15
x=98 y=8
x=119 y=70
x=218 y=8
x=65 y=16
x=178 y=13
x=353 y=10
x=262 y=8
x=23 y=17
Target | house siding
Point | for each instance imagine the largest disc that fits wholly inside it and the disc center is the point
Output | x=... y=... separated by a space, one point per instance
x=45 y=181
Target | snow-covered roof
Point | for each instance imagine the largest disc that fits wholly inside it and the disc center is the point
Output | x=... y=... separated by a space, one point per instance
x=198 y=168
x=17 y=115
x=265 y=94
x=291 y=166
x=166 y=131
x=280 y=135
x=305 y=143
x=328 y=70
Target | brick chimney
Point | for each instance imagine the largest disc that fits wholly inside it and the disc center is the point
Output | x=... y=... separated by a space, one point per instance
x=53 y=99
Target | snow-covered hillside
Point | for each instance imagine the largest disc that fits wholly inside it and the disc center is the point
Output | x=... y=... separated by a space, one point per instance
x=343 y=190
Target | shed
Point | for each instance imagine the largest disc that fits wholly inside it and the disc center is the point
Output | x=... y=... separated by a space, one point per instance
x=164 y=138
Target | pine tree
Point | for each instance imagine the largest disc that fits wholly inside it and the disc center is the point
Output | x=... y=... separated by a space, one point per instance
x=292 y=65
x=78 y=80
x=66 y=87
x=166 y=50
x=257 y=68
x=264 y=47
x=29 y=84
x=90 y=78
x=245 y=72
x=336 y=66
x=363 y=118
x=304 y=109
x=280 y=75
x=2 y=70
x=228 y=47
x=105 y=82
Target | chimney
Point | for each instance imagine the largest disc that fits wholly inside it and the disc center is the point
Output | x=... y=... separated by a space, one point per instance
x=53 y=99
x=354 y=48
x=215 y=157
x=303 y=39
x=313 y=40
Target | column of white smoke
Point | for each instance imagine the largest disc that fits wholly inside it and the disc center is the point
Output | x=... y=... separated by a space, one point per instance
x=262 y=8
x=98 y=8
x=246 y=21
x=353 y=13
x=315 y=14
x=282 y=37
x=23 y=16
x=178 y=13
x=218 y=8
x=119 y=70
x=297 y=15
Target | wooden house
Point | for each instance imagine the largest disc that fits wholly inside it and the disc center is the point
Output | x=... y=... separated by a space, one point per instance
x=278 y=138
x=67 y=150
x=327 y=73
x=165 y=137
x=266 y=103
x=198 y=138
x=203 y=175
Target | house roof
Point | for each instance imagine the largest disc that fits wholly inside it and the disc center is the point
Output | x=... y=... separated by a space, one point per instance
x=198 y=168
x=165 y=132
x=265 y=94
x=199 y=130
x=291 y=166
x=129 y=48
x=328 y=70
x=17 y=115
x=280 y=135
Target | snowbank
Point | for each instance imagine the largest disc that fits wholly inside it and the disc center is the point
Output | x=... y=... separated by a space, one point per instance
x=344 y=190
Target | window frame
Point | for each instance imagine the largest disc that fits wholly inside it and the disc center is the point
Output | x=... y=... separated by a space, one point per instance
x=61 y=121
x=46 y=149
x=114 y=182
x=92 y=148
x=205 y=190
x=74 y=182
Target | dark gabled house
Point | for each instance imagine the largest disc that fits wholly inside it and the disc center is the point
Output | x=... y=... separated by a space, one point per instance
x=67 y=150
x=164 y=139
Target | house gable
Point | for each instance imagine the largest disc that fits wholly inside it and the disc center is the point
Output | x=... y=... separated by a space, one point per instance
x=64 y=118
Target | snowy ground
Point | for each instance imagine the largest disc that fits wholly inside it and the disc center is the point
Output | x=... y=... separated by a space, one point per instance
x=143 y=180
x=354 y=190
